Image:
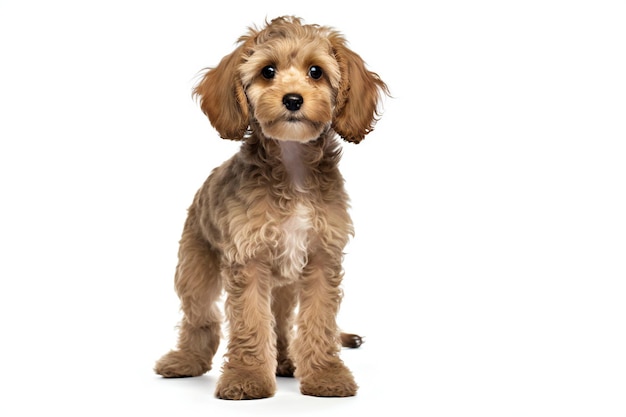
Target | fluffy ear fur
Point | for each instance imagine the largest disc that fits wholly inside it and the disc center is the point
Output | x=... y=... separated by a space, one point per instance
x=222 y=97
x=358 y=96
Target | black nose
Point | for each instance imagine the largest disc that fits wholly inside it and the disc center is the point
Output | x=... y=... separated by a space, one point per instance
x=293 y=101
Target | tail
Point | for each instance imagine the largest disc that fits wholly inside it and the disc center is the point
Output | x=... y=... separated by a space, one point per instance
x=350 y=340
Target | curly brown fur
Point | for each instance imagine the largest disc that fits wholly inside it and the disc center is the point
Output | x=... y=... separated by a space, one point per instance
x=269 y=225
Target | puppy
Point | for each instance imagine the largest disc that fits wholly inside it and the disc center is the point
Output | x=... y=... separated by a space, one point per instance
x=269 y=226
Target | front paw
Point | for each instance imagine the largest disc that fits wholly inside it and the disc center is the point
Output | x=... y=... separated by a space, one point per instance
x=332 y=382
x=245 y=384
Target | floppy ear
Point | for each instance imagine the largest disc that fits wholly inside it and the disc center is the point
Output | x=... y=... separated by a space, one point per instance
x=358 y=95
x=222 y=97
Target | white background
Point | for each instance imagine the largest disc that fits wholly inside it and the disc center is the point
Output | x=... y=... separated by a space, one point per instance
x=489 y=265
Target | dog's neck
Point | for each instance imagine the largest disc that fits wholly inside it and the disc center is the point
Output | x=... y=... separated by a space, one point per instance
x=292 y=155
x=296 y=160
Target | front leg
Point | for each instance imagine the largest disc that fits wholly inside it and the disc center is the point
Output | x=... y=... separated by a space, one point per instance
x=250 y=365
x=316 y=348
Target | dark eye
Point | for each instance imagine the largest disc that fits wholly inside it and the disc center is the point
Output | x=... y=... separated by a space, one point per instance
x=268 y=72
x=315 y=72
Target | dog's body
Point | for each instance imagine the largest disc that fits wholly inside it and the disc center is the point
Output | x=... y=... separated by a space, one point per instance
x=269 y=225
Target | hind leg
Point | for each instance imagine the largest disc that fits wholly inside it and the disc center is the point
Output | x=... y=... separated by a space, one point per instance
x=198 y=285
x=284 y=302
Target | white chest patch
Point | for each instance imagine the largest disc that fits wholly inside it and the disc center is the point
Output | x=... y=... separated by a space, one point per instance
x=295 y=242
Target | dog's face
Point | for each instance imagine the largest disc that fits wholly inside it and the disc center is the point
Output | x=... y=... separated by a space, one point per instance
x=293 y=81
x=291 y=84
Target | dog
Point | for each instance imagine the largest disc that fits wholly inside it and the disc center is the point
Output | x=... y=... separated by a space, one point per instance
x=269 y=225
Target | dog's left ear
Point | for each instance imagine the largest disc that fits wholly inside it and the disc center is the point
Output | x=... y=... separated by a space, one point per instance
x=360 y=90
x=222 y=97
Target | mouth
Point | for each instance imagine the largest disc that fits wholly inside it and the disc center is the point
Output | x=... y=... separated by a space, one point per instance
x=289 y=120
x=295 y=121
x=292 y=127
x=295 y=117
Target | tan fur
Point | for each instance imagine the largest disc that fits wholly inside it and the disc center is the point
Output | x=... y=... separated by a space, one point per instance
x=270 y=224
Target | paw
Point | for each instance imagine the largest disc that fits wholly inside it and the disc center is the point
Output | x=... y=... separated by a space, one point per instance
x=285 y=368
x=178 y=364
x=237 y=384
x=332 y=382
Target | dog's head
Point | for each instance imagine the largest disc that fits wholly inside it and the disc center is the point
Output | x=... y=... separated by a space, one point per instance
x=293 y=81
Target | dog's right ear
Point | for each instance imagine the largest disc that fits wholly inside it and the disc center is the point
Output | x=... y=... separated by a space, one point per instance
x=222 y=97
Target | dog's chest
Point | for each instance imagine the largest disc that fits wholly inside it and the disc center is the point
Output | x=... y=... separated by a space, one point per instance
x=294 y=242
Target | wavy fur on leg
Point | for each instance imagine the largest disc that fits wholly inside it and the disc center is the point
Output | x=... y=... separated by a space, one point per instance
x=269 y=225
